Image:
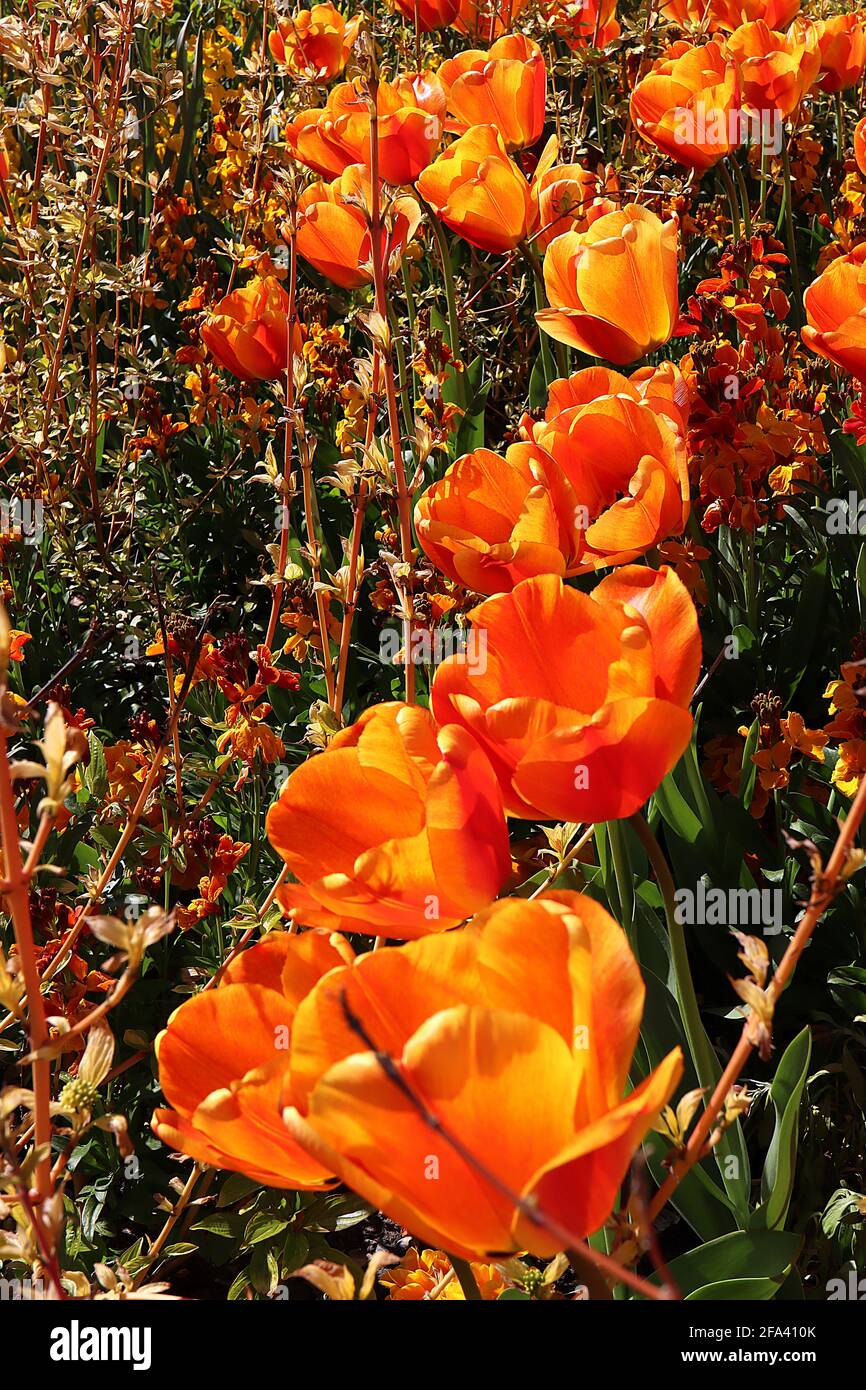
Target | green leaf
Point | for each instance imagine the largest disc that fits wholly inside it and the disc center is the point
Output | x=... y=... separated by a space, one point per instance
x=736 y=1291
x=264 y=1225
x=741 y=1255
x=95 y=775
x=777 y=1179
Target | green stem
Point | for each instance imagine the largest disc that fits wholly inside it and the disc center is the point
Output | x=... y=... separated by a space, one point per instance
x=451 y=299
x=732 y=198
x=466 y=1279
x=792 y=243
x=624 y=881
x=705 y=1060
x=744 y=197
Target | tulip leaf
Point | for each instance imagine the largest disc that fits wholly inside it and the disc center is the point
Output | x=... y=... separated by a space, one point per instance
x=741 y=1255
x=735 y=1291
x=777 y=1179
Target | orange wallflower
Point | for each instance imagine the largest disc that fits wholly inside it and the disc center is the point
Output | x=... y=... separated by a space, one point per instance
x=583 y=706
x=592 y=23
x=567 y=197
x=517 y=1033
x=492 y=521
x=712 y=15
x=504 y=87
x=776 y=70
x=686 y=103
x=334 y=231
x=860 y=145
x=224 y=1062
x=835 y=307
x=842 y=46
x=478 y=191
x=422 y=1271
x=314 y=43
x=396 y=830
x=613 y=288
x=428 y=14
x=247 y=332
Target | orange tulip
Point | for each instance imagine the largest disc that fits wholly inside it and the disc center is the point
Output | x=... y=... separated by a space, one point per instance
x=601 y=479
x=334 y=232
x=427 y=14
x=835 y=307
x=314 y=43
x=504 y=87
x=687 y=105
x=224 y=1062
x=567 y=197
x=583 y=707
x=487 y=19
x=776 y=70
x=492 y=521
x=624 y=457
x=592 y=23
x=517 y=1033
x=713 y=15
x=329 y=139
x=860 y=145
x=613 y=288
x=478 y=191
x=307 y=140
x=247 y=332
x=396 y=830
x=842 y=46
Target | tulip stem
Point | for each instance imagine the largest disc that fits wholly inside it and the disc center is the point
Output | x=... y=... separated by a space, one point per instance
x=622 y=872
x=466 y=1279
x=706 y=1063
x=451 y=299
x=790 y=237
x=732 y=198
x=744 y=197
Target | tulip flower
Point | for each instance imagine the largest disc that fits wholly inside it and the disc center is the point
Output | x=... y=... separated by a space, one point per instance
x=625 y=461
x=504 y=87
x=568 y=197
x=842 y=47
x=860 y=145
x=600 y=480
x=776 y=70
x=590 y=24
x=334 y=230
x=308 y=140
x=329 y=139
x=396 y=830
x=714 y=15
x=492 y=521
x=687 y=105
x=479 y=192
x=407 y=132
x=835 y=307
x=314 y=43
x=247 y=332
x=224 y=1062
x=517 y=1033
x=613 y=288
x=583 y=707
x=427 y=14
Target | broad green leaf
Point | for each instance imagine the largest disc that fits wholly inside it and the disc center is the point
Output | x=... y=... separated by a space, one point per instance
x=777 y=1179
